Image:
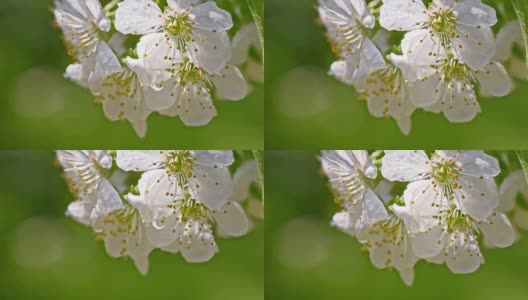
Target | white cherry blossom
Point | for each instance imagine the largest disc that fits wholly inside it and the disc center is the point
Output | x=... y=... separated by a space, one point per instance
x=84 y=26
x=94 y=193
x=448 y=211
x=452 y=236
x=181 y=224
x=460 y=27
x=123 y=97
x=187 y=93
x=203 y=173
x=508 y=37
x=389 y=246
x=464 y=177
x=245 y=179
x=172 y=200
x=451 y=89
x=514 y=198
x=245 y=39
x=386 y=93
x=350 y=173
x=347 y=23
x=184 y=26
x=123 y=233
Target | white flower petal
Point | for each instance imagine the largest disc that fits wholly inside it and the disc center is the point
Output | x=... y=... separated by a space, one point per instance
x=230 y=83
x=344 y=71
x=140 y=127
x=96 y=11
x=231 y=219
x=79 y=73
x=219 y=158
x=139 y=160
x=103 y=158
x=209 y=16
x=172 y=248
x=182 y=5
x=210 y=186
x=244 y=39
x=81 y=211
x=371 y=57
x=195 y=109
x=494 y=79
x=156 y=55
x=138 y=17
x=474 y=13
x=407 y=275
x=346 y=220
x=160 y=100
x=106 y=63
x=141 y=205
x=477 y=163
x=464 y=257
x=459 y=102
x=512 y=185
x=402 y=15
x=425 y=92
x=244 y=176
x=473 y=46
x=373 y=208
x=138 y=245
x=505 y=39
x=423 y=202
x=363 y=13
x=117 y=43
x=210 y=50
x=364 y=162
x=384 y=191
x=164 y=236
x=497 y=230
x=142 y=264
x=108 y=196
x=403 y=165
x=423 y=50
x=404 y=64
x=477 y=197
x=429 y=243
x=438 y=259
x=198 y=244
x=158 y=190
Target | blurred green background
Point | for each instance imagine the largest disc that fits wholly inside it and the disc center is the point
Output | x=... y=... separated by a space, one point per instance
x=308 y=259
x=307 y=109
x=45 y=255
x=39 y=109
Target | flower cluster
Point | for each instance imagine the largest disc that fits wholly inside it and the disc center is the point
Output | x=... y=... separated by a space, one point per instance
x=448 y=51
x=441 y=206
x=143 y=56
x=174 y=200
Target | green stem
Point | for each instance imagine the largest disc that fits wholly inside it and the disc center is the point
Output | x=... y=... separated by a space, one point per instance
x=523 y=160
x=259 y=157
x=521 y=9
x=257 y=10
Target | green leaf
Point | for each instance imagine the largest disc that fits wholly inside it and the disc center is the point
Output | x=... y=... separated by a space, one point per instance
x=523 y=159
x=259 y=157
x=257 y=10
x=521 y=9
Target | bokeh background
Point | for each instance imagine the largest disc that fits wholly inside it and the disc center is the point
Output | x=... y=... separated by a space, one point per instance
x=308 y=259
x=39 y=109
x=45 y=255
x=307 y=109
